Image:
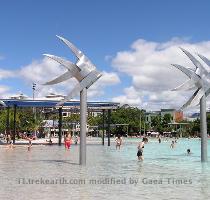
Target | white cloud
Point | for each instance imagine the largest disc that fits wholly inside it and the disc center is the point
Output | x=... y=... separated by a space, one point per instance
x=3 y=89
x=131 y=97
x=6 y=74
x=148 y=64
x=41 y=71
x=107 y=78
x=45 y=70
x=97 y=90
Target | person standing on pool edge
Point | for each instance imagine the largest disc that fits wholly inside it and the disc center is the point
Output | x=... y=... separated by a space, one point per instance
x=140 y=148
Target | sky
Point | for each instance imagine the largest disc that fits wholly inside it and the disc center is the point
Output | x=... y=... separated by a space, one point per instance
x=132 y=42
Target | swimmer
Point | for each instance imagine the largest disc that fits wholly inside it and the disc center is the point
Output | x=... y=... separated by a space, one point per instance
x=188 y=151
x=172 y=144
x=159 y=139
x=118 y=141
x=140 y=148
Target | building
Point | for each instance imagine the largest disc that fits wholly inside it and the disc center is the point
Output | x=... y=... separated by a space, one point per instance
x=150 y=115
x=177 y=116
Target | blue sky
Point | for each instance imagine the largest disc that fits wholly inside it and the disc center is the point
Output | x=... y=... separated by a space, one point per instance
x=103 y=30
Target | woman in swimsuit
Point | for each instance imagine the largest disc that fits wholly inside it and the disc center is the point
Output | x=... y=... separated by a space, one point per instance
x=68 y=141
x=140 y=149
x=118 y=141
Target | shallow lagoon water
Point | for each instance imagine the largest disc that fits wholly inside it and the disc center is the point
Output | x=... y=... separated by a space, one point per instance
x=109 y=174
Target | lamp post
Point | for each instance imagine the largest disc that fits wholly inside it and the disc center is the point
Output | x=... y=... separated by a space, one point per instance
x=140 y=122
x=34 y=108
x=33 y=90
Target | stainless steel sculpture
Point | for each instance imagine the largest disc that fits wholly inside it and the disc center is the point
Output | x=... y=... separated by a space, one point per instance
x=2 y=104
x=199 y=79
x=86 y=74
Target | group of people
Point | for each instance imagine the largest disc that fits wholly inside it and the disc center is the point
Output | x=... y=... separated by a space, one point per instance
x=10 y=143
x=118 y=140
x=141 y=144
x=140 y=147
x=67 y=141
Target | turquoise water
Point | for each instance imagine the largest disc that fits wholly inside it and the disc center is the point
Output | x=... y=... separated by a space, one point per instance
x=109 y=174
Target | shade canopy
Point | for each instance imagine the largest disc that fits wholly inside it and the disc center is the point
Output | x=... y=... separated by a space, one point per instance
x=52 y=103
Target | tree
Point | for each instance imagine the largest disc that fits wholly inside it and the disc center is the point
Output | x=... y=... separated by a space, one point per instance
x=196 y=126
x=156 y=123
x=25 y=120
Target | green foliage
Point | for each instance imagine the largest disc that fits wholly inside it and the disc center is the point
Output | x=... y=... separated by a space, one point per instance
x=196 y=126
x=25 y=119
x=156 y=124
x=3 y=117
x=130 y=116
x=93 y=121
x=73 y=118
x=160 y=124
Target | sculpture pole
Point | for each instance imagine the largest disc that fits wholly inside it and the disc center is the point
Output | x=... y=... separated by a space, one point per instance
x=199 y=79
x=83 y=125
x=203 y=129
x=86 y=74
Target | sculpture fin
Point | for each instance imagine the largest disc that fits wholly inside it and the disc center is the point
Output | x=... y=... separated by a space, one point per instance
x=206 y=60
x=60 y=79
x=85 y=83
x=187 y=85
x=194 y=61
x=195 y=99
x=73 y=48
x=69 y=65
x=186 y=71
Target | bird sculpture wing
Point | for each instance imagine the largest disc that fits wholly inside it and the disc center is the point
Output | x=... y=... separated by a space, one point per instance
x=194 y=99
x=79 y=54
x=187 y=85
x=85 y=83
x=206 y=60
x=197 y=64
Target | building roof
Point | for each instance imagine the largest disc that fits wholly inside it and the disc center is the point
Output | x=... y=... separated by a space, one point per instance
x=168 y=110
